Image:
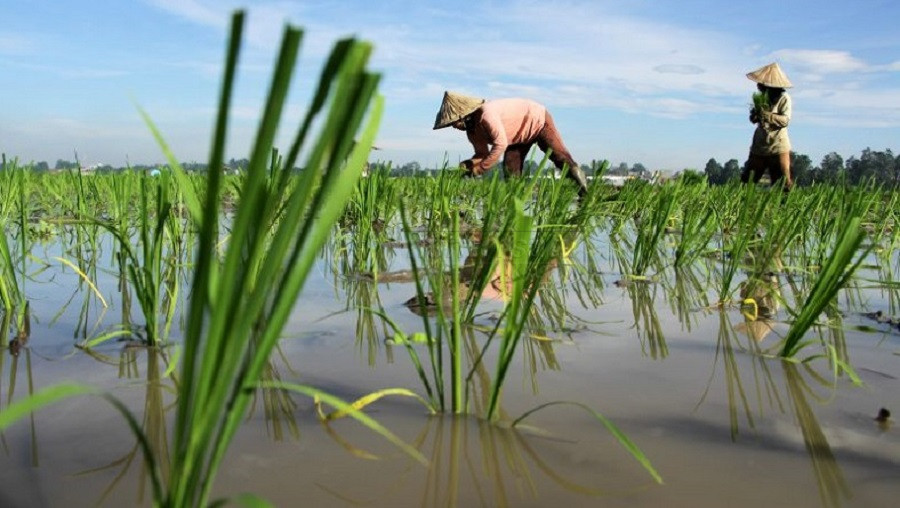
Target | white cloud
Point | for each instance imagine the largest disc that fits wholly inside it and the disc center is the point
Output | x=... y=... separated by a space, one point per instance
x=194 y=11
x=16 y=44
x=821 y=61
x=579 y=55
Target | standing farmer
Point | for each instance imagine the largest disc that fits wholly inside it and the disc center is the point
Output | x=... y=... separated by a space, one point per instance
x=771 y=148
x=507 y=127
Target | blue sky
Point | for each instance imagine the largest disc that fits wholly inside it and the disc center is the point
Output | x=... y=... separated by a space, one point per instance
x=657 y=82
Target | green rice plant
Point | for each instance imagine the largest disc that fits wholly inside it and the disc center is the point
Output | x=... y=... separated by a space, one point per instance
x=9 y=182
x=370 y=212
x=780 y=233
x=239 y=304
x=738 y=232
x=697 y=225
x=13 y=256
x=433 y=337
x=833 y=207
x=534 y=242
x=835 y=273
x=10 y=294
x=650 y=224
x=528 y=261
x=144 y=264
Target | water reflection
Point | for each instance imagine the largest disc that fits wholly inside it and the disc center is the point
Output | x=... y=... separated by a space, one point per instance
x=475 y=462
x=646 y=321
x=686 y=294
x=154 y=421
x=729 y=353
x=18 y=349
x=752 y=399
x=833 y=488
x=279 y=407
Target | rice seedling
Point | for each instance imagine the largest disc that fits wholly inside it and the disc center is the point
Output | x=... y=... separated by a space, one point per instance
x=650 y=224
x=696 y=226
x=10 y=294
x=144 y=264
x=835 y=274
x=240 y=303
x=13 y=257
x=516 y=251
x=739 y=228
x=760 y=103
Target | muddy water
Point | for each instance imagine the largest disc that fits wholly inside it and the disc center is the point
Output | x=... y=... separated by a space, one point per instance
x=721 y=422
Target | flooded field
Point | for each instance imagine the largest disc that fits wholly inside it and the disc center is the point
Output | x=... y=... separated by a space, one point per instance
x=698 y=386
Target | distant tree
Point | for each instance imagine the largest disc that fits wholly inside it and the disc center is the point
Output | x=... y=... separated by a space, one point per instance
x=713 y=172
x=42 y=166
x=831 y=169
x=62 y=164
x=731 y=170
x=802 y=171
x=239 y=164
x=872 y=165
x=620 y=170
x=639 y=169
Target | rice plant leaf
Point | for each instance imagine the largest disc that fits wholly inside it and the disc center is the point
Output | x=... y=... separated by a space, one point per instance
x=173 y=361
x=835 y=273
x=361 y=417
x=360 y=403
x=252 y=501
x=40 y=399
x=100 y=339
x=623 y=439
x=85 y=278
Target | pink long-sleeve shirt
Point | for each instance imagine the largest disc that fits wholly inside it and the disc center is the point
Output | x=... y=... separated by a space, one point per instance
x=504 y=122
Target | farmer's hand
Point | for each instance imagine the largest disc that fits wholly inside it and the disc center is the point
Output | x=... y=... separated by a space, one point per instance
x=470 y=167
x=466 y=168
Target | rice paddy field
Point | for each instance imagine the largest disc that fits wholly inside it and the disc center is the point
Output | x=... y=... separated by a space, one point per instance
x=320 y=338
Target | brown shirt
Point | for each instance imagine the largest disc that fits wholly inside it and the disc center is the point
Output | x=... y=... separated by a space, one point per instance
x=771 y=135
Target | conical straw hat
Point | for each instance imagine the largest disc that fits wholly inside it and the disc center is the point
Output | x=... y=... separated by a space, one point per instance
x=454 y=107
x=771 y=75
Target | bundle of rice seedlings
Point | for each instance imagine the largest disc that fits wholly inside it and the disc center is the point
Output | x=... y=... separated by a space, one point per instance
x=760 y=103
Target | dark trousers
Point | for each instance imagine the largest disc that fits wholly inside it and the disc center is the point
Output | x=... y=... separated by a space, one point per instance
x=547 y=138
x=778 y=166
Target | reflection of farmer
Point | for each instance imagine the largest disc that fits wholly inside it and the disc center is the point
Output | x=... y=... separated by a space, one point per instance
x=760 y=296
x=771 y=149
x=507 y=127
x=499 y=285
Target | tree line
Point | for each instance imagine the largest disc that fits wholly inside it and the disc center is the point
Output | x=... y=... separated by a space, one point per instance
x=883 y=168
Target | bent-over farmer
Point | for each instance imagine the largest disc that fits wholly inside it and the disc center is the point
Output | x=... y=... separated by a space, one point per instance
x=507 y=127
